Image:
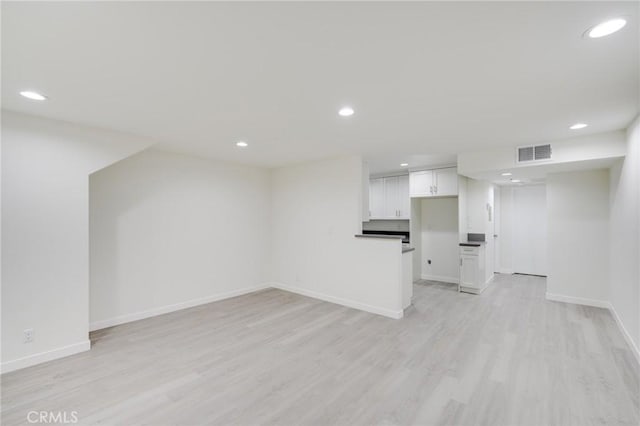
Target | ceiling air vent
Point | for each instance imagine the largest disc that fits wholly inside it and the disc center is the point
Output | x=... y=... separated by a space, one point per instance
x=534 y=153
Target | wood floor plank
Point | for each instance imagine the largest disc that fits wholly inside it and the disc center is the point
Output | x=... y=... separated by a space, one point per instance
x=505 y=357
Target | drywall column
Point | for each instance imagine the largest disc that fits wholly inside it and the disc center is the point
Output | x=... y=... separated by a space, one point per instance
x=316 y=211
x=578 y=237
x=45 y=239
x=624 y=274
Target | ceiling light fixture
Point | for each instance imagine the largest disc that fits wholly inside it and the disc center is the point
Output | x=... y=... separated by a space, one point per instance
x=606 y=28
x=515 y=180
x=404 y=164
x=35 y=96
x=506 y=174
x=242 y=144
x=346 y=111
x=578 y=126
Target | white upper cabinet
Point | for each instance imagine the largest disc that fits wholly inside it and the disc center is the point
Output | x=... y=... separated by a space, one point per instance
x=434 y=183
x=389 y=198
x=445 y=182
x=421 y=183
x=376 y=198
x=404 y=202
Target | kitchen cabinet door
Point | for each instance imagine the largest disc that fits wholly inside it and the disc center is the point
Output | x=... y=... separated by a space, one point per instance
x=445 y=182
x=420 y=183
x=469 y=271
x=404 y=199
x=376 y=199
x=391 y=197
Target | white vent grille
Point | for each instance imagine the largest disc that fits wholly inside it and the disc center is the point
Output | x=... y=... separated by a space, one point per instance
x=542 y=152
x=526 y=154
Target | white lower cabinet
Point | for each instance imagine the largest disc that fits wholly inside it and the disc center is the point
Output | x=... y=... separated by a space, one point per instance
x=472 y=269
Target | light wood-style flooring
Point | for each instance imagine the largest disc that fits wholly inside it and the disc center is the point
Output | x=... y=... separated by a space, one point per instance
x=506 y=357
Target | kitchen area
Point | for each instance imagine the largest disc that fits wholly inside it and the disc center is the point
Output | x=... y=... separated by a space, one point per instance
x=442 y=219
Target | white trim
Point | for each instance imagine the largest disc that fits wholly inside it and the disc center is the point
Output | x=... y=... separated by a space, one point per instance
x=600 y=304
x=505 y=271
x=344 y=302
x=122 y=319
x=625 y=333
x=452 y=280
x=472 y=290
x=41 y=357
x=577 y=300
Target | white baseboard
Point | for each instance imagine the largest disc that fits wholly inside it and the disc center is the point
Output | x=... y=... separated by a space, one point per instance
x=452 y=280
x=41 y=357
x=122 y=319
x=625 y=333
x=577 y=300
x=600 y=304
x=505 y=271
x=344 y=302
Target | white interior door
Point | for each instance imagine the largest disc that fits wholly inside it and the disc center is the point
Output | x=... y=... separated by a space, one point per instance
x=530 y=230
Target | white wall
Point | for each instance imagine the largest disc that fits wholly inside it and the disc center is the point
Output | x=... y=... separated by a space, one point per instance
x=416 y=237
x=578 y=236
x=439 y=236
x=45 y=213
x=170 y=231
x=463 y=213
x=316 y=211
x=523 y=229
x=624 y=274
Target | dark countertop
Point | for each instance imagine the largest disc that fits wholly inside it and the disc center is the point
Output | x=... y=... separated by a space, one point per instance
x=389 y=237
x=472 y=244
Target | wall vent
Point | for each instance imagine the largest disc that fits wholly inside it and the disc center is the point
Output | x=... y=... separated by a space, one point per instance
x=526 y=154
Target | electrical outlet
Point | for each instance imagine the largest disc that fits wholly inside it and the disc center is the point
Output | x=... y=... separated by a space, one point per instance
x=28 y=335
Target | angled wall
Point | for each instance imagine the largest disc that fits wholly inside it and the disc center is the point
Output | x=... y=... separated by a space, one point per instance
x=45 y=232
x=169 y=231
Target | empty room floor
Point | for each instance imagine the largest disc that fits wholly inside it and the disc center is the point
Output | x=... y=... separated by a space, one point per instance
x=506 y=357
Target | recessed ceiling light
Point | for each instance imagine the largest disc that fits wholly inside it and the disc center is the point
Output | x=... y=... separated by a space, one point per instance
x=578 y=126
x=346 y=111
x=607 y=27
x=506 y=174
x=404 y=164
x=515 y=180
x=242 y=144
x=33 y=95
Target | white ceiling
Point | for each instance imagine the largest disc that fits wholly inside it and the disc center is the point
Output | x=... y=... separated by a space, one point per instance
x=424 y=78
